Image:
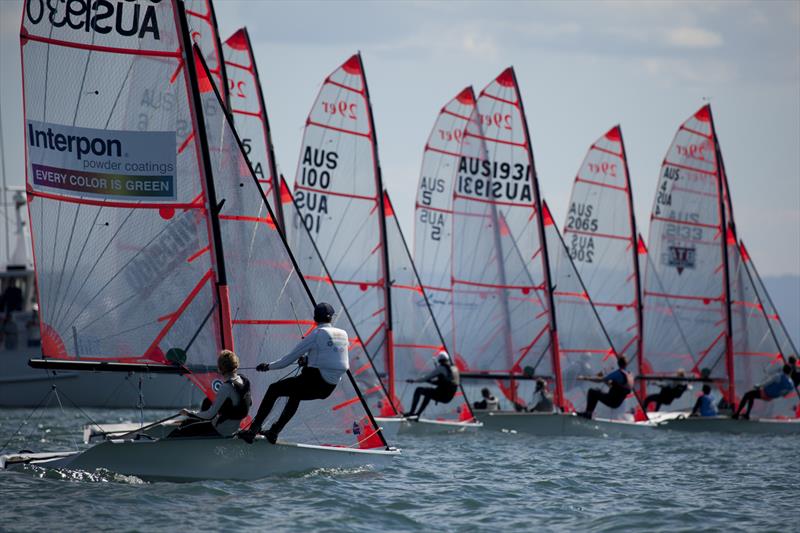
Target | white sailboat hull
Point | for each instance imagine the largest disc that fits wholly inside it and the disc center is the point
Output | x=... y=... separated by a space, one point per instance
x=559 y=424
x=426 y=426
x=724 y=424
x=194 y=459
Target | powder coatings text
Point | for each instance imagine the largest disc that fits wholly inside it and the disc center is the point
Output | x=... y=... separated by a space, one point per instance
x=103 y=163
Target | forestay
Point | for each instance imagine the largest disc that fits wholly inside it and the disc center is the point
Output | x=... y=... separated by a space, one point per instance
x=501 y=312
x=433 y=220
x=250 y=114
x=271 y=307
x=417 y=338
x=117 y=202
x=338 y=194
x=686 y=276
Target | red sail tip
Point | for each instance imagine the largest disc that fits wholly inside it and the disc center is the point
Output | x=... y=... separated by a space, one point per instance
x=614 y=134
x=203 y=81
x=731 y=238
x=352 y=65
x=743 y=250
x=286 y=194
x=387 y=205
x=467 y=96
x=641 y=249
x=504 y=230
x=547 y=218
x=704 y=115
x=238 y=41
x=506 y=78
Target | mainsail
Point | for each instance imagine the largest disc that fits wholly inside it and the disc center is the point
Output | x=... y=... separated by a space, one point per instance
x=250 y=114
x=270 y=304
x=339 y=195
x=600 y=233
x=117 y=203
x=433 y=221
x=416 y=334
x=502 y=311
x=687 y=276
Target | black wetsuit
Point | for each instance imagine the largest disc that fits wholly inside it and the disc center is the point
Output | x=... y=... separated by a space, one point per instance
x=446 y=379
x=309 y=385
x=617 y=392
x=666 y=395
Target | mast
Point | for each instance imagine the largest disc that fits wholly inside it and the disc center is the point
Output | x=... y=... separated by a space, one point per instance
x=226 y=332
x=636 y=270
x=725 y=266
x=545 y=256
x=384 y=249
x=273 y=168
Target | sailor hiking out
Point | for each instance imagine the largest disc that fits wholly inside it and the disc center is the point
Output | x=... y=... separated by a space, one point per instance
x=620 y=384
x=323 y=354
x=668 y=393
x=446 y=380
x=230 y=407
x=777 y=386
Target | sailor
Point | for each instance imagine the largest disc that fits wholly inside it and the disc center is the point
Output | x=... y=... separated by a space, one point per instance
x=704 y=406
x=542 y=401
x=668 y=393
x=323 y=355
x=620 y=384
x=230 y=406
x=792 y=362
x=444 y=377
x=488 y=401
x=775 y=387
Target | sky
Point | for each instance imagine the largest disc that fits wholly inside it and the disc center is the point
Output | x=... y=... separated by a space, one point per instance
x=582 y=67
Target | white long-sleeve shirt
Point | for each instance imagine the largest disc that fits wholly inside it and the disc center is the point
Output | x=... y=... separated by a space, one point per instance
x=327 y=350
x=226 y=427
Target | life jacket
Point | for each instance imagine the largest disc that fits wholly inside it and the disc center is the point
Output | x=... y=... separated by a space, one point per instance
x=228 y=411
x=449 y=385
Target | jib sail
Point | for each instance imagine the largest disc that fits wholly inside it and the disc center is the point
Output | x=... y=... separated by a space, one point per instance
x=250 y=114
x=271 y=307
x=433 y=221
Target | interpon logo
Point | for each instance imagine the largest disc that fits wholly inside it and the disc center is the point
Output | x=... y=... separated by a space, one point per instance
x=77 y=144
x=125 y=17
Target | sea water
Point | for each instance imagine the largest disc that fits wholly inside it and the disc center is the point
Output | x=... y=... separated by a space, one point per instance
x=465 y=482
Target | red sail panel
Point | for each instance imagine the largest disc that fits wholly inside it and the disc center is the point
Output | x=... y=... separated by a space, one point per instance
x=416 y=334
x=686 y=276
x=270 y=305
x=600 y=235
x=323 y=289
x=433 y=219
x=500 y=308
x=250 y=113
x=117 y=203
x=337 y=193
x=204 y=33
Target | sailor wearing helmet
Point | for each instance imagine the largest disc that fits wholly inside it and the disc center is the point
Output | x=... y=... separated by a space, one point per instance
x=444 y=377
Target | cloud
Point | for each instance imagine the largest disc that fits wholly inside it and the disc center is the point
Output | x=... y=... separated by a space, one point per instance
x=700 y=72
x=692 y=37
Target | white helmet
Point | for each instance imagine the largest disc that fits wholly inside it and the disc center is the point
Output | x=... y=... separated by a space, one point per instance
x=443 y=357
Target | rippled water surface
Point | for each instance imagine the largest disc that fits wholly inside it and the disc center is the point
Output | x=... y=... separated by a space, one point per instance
x=482 y=482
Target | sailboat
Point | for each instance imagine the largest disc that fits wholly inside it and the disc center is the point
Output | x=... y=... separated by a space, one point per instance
x=715 y=298
x=180 y=257
x=340 y=195
x=513 y=281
